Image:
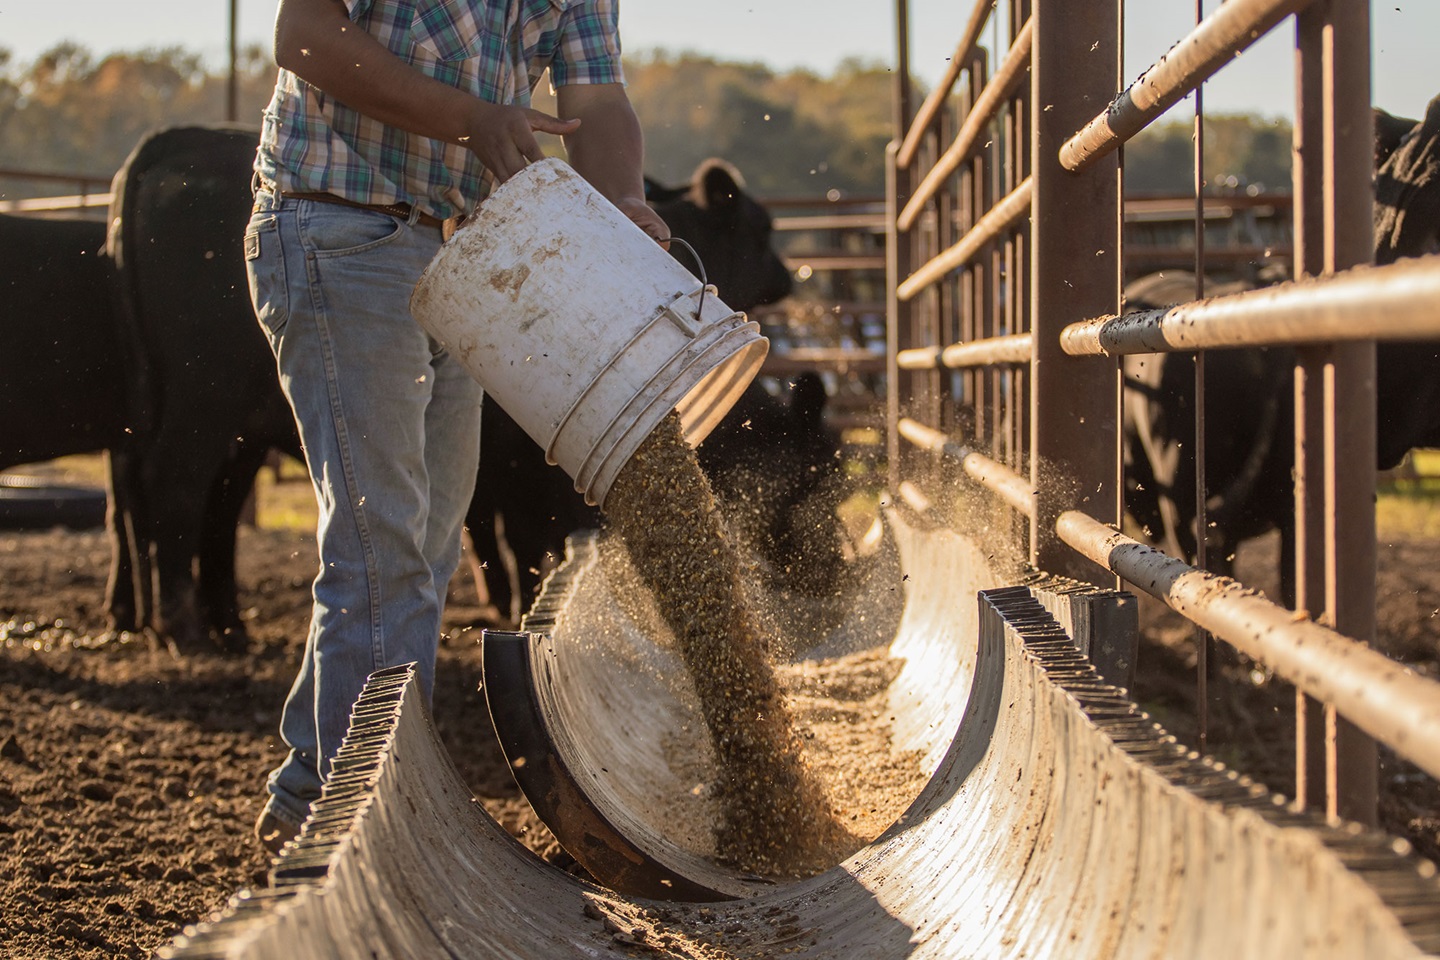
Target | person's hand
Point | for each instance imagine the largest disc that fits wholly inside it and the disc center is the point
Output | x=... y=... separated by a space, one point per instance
x=503 y=138
x=645 y=218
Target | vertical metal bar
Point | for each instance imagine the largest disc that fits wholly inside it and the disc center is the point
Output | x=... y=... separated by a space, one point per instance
x=897 y=260
x=232 y=82
x=1353 y=769
x=1204 y=644
x=1340 y=381
x=896 y=311
x=1075 y=263
x=968 y=300
x=947 y=202
x=1309 y=239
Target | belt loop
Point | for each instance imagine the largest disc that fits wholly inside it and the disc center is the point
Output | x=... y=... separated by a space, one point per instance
x=414 y=215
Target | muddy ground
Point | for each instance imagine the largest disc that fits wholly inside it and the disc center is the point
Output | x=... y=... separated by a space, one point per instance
x=129 y=779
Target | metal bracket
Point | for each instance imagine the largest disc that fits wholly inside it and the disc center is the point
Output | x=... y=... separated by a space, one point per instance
x=690 y=323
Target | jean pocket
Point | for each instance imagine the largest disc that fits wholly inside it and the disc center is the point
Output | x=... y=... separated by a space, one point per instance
x=265 y=271
x=334 y=230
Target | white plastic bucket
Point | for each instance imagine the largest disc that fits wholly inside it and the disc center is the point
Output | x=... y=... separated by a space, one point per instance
x=580 y=326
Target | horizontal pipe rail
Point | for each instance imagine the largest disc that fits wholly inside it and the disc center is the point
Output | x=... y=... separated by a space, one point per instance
x=1399 y=301
x=991 y=474
x=1387 y=700
x=925 y=116
x=830 y=221
x=1218 y=39
x=1171 y=207
x=835 y=360
x=84 y=179
x=834 y=261
x=83 y=201
x=1137 y=255
x=987 y=105
x=1015 y=348
x=996 y=220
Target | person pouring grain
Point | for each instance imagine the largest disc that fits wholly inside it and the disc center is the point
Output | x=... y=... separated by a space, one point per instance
x=390 y=119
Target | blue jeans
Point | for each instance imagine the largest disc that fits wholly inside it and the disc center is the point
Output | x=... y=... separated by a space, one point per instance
x=391 y=428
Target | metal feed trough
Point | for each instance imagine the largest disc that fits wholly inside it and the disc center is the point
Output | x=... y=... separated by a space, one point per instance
x=1058 y=820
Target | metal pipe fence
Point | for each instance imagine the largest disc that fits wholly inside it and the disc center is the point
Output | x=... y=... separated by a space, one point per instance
x=1004 y=339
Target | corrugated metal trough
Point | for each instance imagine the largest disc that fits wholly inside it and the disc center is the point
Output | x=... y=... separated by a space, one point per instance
x=1059 y=821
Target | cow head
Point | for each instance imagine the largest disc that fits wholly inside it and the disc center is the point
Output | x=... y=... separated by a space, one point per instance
x=730 y=232
x=1407 y=191
x=1407 y=224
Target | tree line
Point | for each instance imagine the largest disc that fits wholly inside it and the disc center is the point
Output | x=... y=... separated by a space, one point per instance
x=791 y=133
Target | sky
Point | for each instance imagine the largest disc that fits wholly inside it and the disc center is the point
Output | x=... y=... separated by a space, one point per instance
x=814 y=34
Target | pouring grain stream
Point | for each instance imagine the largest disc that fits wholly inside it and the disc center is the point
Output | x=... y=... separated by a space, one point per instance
x=775 y=818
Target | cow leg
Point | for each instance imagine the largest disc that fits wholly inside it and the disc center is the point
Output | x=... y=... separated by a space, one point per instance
x=123 y=595
x=536 y=539
x=218 y=593
x=471 y=561
x=480 y=524
x=177 y=482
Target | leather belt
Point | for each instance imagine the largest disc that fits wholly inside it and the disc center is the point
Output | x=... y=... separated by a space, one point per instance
x=400 y=211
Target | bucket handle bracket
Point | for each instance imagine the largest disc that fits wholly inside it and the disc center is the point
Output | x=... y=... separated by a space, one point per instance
x=689 y=323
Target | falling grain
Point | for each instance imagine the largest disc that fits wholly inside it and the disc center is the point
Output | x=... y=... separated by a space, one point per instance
x=775 y=817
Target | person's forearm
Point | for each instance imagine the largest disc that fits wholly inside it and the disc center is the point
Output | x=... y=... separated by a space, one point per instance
x=315 y=40
x=608 y=148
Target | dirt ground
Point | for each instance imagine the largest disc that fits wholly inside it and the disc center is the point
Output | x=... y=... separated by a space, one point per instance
x=129 y=779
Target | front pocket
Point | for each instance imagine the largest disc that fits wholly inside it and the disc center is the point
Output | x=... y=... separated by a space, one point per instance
x=335 y=230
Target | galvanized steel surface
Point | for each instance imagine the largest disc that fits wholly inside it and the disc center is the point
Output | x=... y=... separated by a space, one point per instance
x=1400 y=301
x=1002 y=216
x=1060 y=822
x=1008 y=76
x=1385 y=698
x=1223 y=35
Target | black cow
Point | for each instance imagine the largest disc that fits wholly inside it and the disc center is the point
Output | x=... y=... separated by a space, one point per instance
x=65 y=387
x=203 y=389
x=1249 y=397
x=531 y=507
x=729 y=231
x=775 y=467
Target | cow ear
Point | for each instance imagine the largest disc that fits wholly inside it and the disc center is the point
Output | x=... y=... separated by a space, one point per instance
x=1390 y=130
x=656 y=192
x=716 y=185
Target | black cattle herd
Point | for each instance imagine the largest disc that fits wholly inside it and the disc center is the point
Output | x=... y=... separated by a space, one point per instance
x=139 y=341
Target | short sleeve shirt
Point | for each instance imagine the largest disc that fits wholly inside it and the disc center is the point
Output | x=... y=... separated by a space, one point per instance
x=494 y=49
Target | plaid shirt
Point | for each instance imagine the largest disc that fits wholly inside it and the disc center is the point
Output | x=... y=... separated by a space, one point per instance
x=495 y=49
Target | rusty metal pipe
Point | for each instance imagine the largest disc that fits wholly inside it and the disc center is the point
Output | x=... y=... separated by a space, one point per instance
x=1400 y=301
x=1387 y=700
x=994 y=476
x=1220 y=37
x=925 y=116
x=1015 y=348
x=996 y=220
x=1007 y=76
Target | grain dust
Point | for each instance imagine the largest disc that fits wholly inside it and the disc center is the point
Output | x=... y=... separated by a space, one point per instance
x=774 y=816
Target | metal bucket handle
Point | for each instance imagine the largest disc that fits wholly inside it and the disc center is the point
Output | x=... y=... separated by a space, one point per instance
x=699 y=265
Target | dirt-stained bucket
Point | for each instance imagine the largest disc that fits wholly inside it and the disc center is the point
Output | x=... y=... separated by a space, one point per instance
x=581 y=327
